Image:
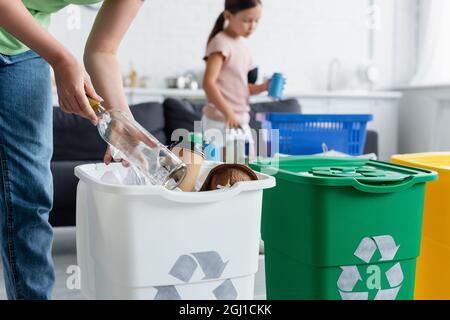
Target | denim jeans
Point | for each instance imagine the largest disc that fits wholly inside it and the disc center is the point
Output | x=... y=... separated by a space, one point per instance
x=26 y=184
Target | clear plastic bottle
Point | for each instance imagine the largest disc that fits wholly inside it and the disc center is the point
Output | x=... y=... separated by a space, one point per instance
x=235 y=146
x=139 y=147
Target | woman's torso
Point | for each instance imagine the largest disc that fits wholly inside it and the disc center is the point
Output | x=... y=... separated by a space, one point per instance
x=41 y=11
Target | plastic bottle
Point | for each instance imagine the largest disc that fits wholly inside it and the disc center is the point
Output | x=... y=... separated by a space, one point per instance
x=276 y=86
x=139 y=147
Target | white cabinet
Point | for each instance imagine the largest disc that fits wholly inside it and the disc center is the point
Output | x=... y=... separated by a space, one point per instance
x=424 y=119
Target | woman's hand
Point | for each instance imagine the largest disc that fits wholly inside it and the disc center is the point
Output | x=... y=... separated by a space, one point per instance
x=117 y=132
x=231 y=121
x=108 y=158
x=130 y=138
x=73 y=84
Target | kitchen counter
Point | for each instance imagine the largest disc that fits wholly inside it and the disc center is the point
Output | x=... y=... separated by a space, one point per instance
x=136 y=95
x=199 y=94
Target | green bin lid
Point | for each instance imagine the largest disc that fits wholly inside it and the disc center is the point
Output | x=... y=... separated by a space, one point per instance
x=363 y=174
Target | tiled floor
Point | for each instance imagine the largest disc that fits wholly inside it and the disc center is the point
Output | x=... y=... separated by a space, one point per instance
x=64 y=255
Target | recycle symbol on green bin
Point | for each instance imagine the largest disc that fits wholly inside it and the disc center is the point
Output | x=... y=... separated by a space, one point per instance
x=351 y=276
x=211 y=264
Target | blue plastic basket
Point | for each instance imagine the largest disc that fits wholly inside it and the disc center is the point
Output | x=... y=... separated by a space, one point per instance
x=306 y=134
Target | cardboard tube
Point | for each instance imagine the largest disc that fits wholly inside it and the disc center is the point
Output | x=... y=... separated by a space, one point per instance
x=193 y=161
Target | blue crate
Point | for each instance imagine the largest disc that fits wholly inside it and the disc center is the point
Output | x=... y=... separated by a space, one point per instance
x=305 y=134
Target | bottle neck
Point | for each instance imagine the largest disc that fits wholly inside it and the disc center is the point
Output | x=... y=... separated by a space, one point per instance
x=99 y=110
x=96 y=106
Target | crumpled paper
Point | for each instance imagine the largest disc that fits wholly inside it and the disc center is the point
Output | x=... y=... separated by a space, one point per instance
x=206 y=167
x=127 y=176
x=124 y=176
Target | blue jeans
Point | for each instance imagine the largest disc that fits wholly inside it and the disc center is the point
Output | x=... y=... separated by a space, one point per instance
x=26 y=184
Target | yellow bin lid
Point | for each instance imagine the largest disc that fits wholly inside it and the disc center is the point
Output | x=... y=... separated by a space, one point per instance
x=437 y=161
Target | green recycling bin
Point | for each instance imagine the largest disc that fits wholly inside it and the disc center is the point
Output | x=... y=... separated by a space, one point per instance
x=341 y=228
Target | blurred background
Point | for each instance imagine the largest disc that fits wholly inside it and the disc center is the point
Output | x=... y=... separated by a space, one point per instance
x=297 y=37
x=389 y=58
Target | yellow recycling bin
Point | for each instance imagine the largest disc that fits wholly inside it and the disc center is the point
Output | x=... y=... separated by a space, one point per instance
x=433 y=265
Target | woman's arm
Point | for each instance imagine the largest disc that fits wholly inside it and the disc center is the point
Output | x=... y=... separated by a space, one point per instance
x=16 y=19
x=72 y=81
x=100 y=58
x=213 y=66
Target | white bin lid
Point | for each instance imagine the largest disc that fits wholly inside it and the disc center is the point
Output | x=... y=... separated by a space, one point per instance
x=91 y=175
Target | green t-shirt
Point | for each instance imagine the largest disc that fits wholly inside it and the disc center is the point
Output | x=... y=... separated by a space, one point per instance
x=41 y=11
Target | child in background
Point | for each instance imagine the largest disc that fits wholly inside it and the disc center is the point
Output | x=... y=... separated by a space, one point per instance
x=228 y=62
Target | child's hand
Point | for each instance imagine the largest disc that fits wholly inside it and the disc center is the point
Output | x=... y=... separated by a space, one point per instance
x=231 y=121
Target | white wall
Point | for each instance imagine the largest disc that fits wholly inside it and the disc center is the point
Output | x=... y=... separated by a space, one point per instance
x=297 y=37
x=300 y=37
x=405 y=41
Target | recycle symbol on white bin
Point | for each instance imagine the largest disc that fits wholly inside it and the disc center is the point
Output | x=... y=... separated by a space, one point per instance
x=350 y=275
x=184 y=268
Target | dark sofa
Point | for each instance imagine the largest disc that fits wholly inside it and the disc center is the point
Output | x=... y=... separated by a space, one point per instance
x=76 y=142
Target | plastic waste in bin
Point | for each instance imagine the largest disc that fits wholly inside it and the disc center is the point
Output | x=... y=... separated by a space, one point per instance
x=433 y=265
x=341 y=228
x=147 y=242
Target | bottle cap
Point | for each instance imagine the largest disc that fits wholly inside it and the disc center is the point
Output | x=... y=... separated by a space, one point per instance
x=196 y=138
x=96 y=105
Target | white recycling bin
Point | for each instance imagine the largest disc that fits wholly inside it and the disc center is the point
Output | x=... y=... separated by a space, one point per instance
x=146 y=242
